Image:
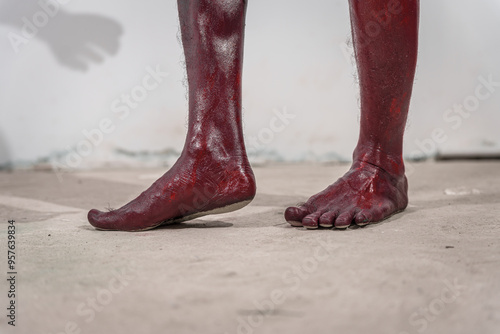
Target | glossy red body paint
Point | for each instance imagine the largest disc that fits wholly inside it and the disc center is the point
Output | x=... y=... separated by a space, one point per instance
x=213 y=170
x=385 y=38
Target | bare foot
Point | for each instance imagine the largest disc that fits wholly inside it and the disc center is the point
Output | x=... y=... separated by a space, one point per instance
x=365 y=194
x=375 y=187
x=213 y=174
x=193 y=187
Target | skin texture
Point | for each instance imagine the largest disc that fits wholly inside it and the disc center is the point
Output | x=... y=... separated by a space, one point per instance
x=385 y=38
x=213 y=170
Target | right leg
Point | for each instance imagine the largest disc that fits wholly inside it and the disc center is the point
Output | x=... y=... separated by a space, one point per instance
x=375 y=187
x=213 y=171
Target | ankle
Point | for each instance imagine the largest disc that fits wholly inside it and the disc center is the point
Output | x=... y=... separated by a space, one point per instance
x=390 y=162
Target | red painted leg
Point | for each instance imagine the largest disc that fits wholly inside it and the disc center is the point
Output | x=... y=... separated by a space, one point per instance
x=212 y=172
x=385 y=36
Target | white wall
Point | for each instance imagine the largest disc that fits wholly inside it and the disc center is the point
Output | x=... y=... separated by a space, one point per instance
x=293 y=60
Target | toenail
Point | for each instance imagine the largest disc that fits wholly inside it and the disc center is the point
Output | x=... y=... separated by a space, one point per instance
x=311 y=227
x=343 y=227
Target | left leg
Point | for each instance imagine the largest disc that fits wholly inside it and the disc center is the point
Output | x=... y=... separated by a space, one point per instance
x=212 y=173
x=375 y=187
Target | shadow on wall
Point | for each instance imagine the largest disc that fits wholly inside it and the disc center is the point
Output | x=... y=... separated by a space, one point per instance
x=76 y=40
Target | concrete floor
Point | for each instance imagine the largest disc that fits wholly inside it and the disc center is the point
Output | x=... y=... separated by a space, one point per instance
x=433 y=269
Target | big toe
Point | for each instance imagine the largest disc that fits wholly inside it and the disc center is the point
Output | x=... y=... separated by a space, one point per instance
x=295 y=214
x=100 y=220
